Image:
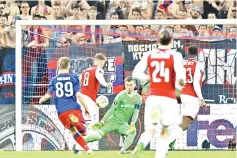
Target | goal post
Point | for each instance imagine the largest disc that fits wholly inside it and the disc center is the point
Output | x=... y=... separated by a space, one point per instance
x=213 y=69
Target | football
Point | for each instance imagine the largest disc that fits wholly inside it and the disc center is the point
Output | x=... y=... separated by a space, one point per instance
x=102 y=101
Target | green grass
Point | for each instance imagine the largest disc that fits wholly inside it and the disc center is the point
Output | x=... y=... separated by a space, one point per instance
x=114 y=154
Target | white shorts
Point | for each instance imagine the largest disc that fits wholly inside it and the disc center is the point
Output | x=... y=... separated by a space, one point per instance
x=190 y=105
x=159 y=109
x=92 y=108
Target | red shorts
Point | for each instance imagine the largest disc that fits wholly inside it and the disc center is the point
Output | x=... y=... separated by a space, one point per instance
x=71 y=118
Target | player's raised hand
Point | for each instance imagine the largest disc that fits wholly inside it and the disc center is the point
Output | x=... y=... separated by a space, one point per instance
x=97 y=125
x=202 y=103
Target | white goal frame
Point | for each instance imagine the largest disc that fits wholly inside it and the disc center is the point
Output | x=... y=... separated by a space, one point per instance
x=20 y=23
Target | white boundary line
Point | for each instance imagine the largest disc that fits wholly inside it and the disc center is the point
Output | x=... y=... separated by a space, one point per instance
x=18 y=91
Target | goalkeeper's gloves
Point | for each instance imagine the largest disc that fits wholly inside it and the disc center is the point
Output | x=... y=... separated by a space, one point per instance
x=98 y=125
x=132 y=128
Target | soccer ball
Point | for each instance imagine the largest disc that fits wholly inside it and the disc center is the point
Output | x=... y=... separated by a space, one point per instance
x=102 y=101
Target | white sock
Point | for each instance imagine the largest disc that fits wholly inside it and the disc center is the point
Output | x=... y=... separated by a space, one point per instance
x=162 y=147
x=175 y=133
x=145 y=138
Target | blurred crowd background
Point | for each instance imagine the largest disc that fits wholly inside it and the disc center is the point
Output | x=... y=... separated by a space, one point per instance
x=12 y=10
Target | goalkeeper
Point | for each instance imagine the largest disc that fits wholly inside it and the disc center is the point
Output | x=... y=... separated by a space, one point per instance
x=126 y=104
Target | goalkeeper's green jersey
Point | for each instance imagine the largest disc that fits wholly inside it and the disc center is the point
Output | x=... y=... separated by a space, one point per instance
x=125 y=104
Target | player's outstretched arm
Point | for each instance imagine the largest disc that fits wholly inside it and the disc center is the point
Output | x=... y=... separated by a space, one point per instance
x=107 y=115
x=138 y=72
x=196 y=83
x=100 y=77
x=132 y=127
x=49 y=92
x=180 y=72
x=44 y=98
x=135 y=115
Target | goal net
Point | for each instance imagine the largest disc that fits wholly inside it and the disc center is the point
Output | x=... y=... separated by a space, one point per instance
x=38 y=127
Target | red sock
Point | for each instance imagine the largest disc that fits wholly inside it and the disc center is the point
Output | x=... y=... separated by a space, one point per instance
x=81 y=141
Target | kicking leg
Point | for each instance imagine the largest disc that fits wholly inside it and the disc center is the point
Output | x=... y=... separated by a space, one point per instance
x=144 y=141
x=187 y=120
x=78 y=122
x=105 y=129
x=163 y=143
x=124 y=130
x=178 y=130
x=81 y=129
x=190 y=109
x=152 y=117
x=93 y=137
x=127 y=142
x=169 y=115
x=80 y=140
x=78 y=130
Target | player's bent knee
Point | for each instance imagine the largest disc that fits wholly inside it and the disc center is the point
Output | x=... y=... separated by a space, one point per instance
x=188 y=118
x=82 y=129
x=73 y=130
x=83 y=133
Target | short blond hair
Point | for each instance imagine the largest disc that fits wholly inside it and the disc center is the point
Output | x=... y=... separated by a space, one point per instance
x=100 y=56
x=63 y=63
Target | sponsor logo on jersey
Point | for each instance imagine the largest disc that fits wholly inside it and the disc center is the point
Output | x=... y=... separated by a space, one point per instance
x=127 y=106
x=134 y=101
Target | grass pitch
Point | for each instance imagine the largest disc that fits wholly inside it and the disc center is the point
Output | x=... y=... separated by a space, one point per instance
x=114 y=154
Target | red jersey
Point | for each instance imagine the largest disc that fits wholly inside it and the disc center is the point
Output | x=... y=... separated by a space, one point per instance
x=194 y=74
x=89 y=81
x=162 y=65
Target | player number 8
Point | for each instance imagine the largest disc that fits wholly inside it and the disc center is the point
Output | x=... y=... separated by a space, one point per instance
x=64 y=89
x=160 y=68
x=86 y=79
